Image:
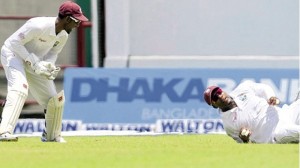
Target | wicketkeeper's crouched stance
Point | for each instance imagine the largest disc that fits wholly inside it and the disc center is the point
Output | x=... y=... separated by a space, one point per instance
x=28 y=57
x=20 y=75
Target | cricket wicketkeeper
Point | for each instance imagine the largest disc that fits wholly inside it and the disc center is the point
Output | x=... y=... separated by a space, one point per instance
x=28 y=57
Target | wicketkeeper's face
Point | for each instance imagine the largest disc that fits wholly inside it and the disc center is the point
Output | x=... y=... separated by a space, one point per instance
x=71 y=23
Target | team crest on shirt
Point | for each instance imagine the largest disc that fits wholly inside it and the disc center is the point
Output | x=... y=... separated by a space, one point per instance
x=242 y=97
x=56 y=43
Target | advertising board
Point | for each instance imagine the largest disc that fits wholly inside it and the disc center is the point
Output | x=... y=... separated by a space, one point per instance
x=147 y=95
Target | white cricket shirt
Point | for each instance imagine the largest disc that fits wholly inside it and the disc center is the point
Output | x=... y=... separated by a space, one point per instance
x=37 y=36
x=252 y=111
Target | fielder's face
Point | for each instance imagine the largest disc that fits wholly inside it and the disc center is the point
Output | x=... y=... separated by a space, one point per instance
x=222 y=100
x=71 y=23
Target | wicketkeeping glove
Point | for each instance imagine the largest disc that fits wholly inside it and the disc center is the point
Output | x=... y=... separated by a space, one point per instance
x=39 y=67
x=32 y=60
x=54 y=73
x=51 y=68
x=42 y=69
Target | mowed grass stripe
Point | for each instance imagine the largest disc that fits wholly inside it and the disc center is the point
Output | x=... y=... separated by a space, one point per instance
x=164 y=151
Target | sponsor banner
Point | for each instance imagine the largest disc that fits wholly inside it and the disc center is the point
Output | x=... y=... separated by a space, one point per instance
x=119 y=127
x=28 y=126
x=200 y=126
x=147 y=95
x=38 y=125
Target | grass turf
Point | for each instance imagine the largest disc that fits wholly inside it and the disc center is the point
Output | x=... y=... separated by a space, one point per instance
x=164 y=151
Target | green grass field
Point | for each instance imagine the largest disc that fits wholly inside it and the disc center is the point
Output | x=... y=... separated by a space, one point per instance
x=163 y=151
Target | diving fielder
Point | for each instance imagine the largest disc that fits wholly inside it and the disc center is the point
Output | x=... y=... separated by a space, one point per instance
x=250 y=114
x=28 y=57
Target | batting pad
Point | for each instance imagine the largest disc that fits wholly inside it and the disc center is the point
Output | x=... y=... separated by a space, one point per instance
x=14 y=103
x=53 y=116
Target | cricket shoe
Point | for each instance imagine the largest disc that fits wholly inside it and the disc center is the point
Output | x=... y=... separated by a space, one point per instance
x=7 y=137
x=58 y=139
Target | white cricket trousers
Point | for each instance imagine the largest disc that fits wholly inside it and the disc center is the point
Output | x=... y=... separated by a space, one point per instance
x=288 y=128
x=21 y=77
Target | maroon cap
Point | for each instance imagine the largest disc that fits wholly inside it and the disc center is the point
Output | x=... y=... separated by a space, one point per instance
x=70 y=8
x=209 y=92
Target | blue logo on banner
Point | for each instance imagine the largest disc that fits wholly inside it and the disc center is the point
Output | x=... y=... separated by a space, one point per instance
x=141 y=88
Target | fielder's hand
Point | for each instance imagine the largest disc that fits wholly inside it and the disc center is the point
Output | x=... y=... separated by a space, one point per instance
x=273 y=101
x=245 y=135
